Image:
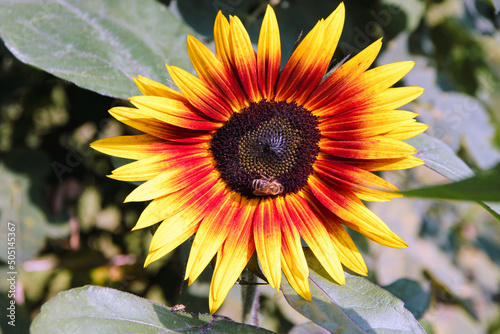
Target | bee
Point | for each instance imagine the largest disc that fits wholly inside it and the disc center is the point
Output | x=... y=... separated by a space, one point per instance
x=178 y=307
x=266 y=186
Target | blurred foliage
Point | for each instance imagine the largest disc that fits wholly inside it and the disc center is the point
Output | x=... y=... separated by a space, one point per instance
x=73 y=229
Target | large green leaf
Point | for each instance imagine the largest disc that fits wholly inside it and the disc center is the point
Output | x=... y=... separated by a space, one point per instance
x=484 y=186
x=98 y=45
x=93 y=309
x=359 y=306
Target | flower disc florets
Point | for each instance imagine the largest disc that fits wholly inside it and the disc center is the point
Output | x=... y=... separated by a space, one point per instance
x=268 y=139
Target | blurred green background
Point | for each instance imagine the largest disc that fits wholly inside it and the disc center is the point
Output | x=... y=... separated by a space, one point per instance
x=74 y=230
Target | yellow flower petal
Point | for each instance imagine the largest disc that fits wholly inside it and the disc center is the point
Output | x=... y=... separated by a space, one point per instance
x=347 y=251
x=211 y=234
x=152 y=88
x=146 y=169
x=269 y=54
x=392 y=98
x=186 y=220
x=316 y=236
x=407 y=131
x=267 y=236
x=342 y=77
x=131 y=147
x=293 y=260
x=199 y=95
x=165 y=206
x=172 y=180
x=221 y=39
x=244 y=58
x=377 y=147
x=214 y=74
x=233 y=256
x=354 y=213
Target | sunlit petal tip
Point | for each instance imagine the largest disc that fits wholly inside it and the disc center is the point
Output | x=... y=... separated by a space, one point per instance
x=171 y=68
x=399 y=244
x=416 y=162
x=340 y=278
x=149 y=260
x=153 y=256
x=306 y=294
x=376 y=46
x=118 y=177
x=362 y=270
x=418 y=91
x=214 y=304
x=340 y=11
x=299 y=284
x=130 y=198
x=220 y=21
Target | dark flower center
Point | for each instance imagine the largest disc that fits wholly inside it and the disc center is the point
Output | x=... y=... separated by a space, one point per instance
x=267 y=149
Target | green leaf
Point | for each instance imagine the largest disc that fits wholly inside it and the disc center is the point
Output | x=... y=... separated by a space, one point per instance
x=485 y=186
x=440 y=157
x=93 y=309
x=98 y=45
x=359 y=306
x=416 y=299
x=493 y=208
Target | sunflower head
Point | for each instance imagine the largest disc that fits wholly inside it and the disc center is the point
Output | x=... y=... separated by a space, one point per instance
x=251 y=157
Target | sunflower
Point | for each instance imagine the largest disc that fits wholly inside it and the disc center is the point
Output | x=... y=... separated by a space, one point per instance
x=251 y=158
